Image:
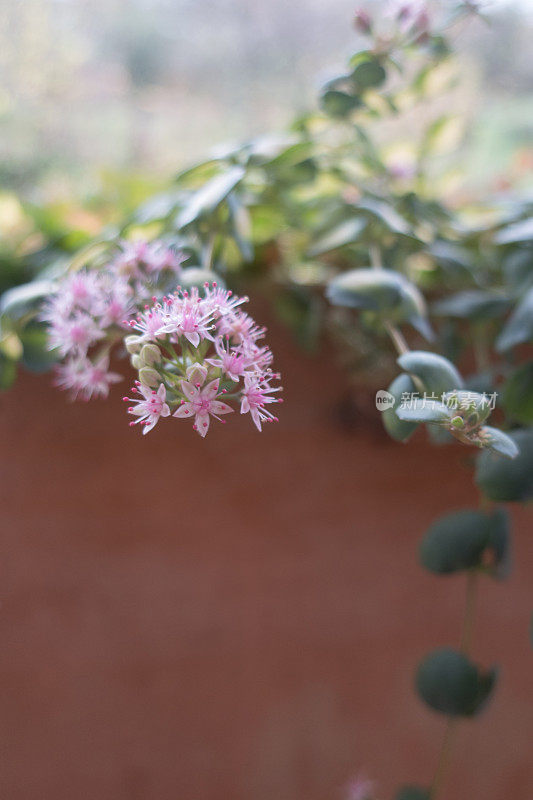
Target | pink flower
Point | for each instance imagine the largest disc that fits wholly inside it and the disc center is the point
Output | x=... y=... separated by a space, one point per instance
x=81 y=290
x=86 y=379
x=117 y=305
x=201 y=404
x=256 y=394
x=159 y=258
x=240 y=327
x=229 y=361
x=74 y=334
x=221 y=301
x=258 y=358
x=152 y=323
x=150 y=408
x=359 y=789
x=187 y=316
x=141 y=260
x=128 y=262
x=363 y=21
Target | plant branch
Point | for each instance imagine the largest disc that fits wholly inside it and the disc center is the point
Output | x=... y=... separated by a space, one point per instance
x=444 y=758
x=451 y=727
x=470 y=610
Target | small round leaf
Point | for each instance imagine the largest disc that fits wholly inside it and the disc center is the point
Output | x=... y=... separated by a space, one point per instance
x=369 y=74
x=506 y=481
x=455 y=542
x=518 y=394
x=397 y=429
x=339 y=104
x=449 y=683
x=437 y=373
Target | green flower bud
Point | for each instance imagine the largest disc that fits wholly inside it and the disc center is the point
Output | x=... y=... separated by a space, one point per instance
x=137 y=362
x=151 y=354
x=470 y=407
x=149 y=377
x=133 y=343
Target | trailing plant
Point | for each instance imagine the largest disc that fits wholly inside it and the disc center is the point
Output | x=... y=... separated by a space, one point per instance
x=352 y=240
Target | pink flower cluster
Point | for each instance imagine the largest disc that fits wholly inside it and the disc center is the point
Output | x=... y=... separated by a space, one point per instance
x=91 y=308
x=196 y=353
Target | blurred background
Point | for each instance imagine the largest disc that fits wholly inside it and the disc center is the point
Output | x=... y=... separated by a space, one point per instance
x=229 y=641
x=95 y=91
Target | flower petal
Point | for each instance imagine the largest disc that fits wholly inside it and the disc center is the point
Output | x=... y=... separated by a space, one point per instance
x=202 y=424
x=193 y=338
x=220 y=408
x=211 y=390
x=151 y=424
x=184 y=411
x=188 y=390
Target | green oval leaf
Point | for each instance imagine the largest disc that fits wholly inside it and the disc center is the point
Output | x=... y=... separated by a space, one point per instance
x=369 y=74
x=420 y=410
x=398 y=429
x=498 y=442
x=508 y=481
x=449 y=683
x=383 y=291
x=473 y=304
x=206 y=199
x=22 y=299
x=458 y=541
x=517 y=232
x=344 y=234
x=517 y=395
x=437 y=373
x=339 y=104
x=519 y=326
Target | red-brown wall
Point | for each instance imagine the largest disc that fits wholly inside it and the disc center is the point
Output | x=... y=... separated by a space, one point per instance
x=238 y=618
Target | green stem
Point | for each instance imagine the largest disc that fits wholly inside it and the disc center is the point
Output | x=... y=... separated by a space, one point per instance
x=470 y=610
x=209 y=252
x=395 y=333
x=451 y=727
x=397 y=337
x=444 y=758
x=481 y=347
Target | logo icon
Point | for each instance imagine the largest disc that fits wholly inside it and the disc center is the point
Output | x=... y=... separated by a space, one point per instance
x=384 y=400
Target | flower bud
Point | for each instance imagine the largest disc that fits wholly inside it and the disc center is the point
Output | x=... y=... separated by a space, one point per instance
x=470 y=409
x=196 y=373
x=133 y=343
x=150 y=354
x=362 y=21
x=137 y=362
x=149 y=377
